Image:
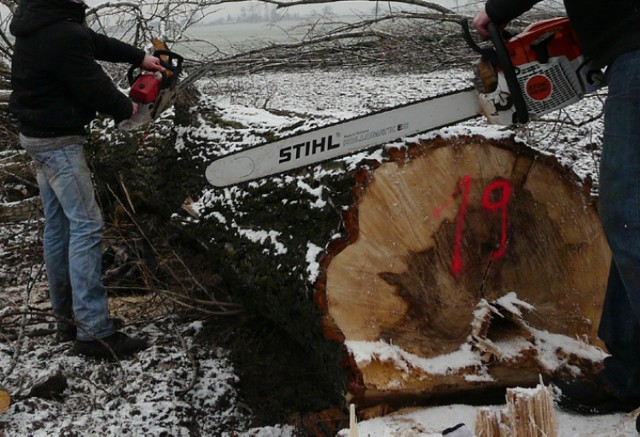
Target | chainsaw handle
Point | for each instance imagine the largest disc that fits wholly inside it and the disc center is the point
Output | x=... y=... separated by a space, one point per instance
x=130 y=77
x=171 y=61
x=499 y=56
x=486 y=53
x=504 y=61
x=167 y=59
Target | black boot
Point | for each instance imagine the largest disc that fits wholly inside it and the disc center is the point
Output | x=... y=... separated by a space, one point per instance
x=70 y=331
x=65 y=335
x=117 y=345
x=591 y=396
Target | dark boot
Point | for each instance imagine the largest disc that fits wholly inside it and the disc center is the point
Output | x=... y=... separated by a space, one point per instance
x=69 y=332
x=117 y=345
x=591 y=396
x=65 y=335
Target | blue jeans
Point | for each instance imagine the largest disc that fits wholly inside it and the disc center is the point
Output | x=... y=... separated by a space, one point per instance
x=620 y=215
x=72 y=242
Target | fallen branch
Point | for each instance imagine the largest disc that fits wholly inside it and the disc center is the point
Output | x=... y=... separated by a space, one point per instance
x=185 y=279
x=25 y=304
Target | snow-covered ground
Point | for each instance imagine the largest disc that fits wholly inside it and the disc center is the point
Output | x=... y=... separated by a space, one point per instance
x=156 y=393
x=429 y=422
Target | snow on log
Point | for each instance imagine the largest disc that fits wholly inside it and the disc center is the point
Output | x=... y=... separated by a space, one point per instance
x=446 y=266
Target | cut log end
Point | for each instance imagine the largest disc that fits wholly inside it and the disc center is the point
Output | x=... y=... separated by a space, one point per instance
x=463 y=257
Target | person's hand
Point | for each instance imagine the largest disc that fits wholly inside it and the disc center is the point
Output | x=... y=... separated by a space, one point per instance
x=151 y=63
x=480 y=22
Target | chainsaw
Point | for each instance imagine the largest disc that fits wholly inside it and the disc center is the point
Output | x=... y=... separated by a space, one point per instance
x=531 y=74
x=154 y=92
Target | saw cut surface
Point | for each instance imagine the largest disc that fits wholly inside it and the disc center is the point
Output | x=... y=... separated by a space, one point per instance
x=469 y=249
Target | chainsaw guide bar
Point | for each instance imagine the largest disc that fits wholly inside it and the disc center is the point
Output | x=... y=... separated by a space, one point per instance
x=343 y=138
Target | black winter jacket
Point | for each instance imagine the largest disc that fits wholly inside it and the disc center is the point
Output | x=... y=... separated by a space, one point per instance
x=57 y=84
x=605 y=28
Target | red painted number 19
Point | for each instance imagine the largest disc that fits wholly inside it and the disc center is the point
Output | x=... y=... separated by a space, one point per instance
x=489 y=205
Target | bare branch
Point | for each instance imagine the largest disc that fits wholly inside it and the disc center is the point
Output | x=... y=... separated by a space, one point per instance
x=12 y=5
x=428 y=5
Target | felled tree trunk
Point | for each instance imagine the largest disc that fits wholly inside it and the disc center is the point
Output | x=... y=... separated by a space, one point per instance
x=451 y=266
x=144 y=167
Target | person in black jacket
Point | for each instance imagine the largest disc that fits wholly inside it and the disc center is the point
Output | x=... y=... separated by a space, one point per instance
x=58 y=88
x=609 y=33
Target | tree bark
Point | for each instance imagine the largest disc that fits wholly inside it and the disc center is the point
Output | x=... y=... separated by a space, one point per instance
x=460 y=264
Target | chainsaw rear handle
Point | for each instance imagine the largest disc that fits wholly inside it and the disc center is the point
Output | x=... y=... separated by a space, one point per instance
x=171 y=61
x=499 y=56
x=504 y=61
x=486 y=53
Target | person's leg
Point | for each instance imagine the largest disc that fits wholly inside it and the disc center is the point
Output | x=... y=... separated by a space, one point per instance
x=69 y=178
x=620 y=215
x=56 y=245
x=76 y=259
x=617 y=387
x=622 y=337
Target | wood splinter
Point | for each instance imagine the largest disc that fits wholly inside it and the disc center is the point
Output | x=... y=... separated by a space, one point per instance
x=5 y=400
x=529 y=413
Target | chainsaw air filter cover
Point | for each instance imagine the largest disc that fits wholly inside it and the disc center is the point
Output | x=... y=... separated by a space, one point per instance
x=550 y=68
x=146 y=88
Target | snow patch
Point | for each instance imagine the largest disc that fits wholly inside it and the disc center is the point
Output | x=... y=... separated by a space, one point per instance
x=262 y=236
x=364 y=352
x=313 y=266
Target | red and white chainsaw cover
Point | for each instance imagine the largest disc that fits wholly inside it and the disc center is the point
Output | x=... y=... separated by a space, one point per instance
x=550 y=68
